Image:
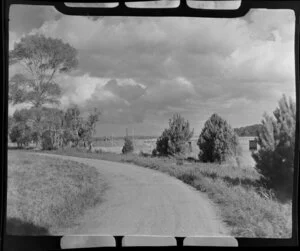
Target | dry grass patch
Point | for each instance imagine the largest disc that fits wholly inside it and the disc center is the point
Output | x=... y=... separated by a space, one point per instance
x=46 y=195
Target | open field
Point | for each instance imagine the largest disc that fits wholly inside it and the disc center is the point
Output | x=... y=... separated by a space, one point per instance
x=46 y=195
x=247 y=208
x=147 y=145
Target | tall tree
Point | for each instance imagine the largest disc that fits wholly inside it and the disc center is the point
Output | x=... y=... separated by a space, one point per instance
x=275 y=158
x=88 y=127
x=42 y=59
x=73 y=123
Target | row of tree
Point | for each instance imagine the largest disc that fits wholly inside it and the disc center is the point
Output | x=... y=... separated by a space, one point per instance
x=51 y=128
x=42 y=59
x=218 y=141
x=249 y=131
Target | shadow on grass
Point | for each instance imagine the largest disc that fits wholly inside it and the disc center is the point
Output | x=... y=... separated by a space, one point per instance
x=242 y=181
x=15 y=226
x=31 y=243
x=13 y=148
x=25 y=236
x=20 y=148
x=192 y=160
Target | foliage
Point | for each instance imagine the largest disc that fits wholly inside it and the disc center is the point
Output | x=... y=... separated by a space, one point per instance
x=217 y=140
x=47 y=143
x=154 y=152
x=20 y=134
x=162 y=144
x=10 y=124
x=21 y=131
x=248 y=131
x=174 y=139
x=42 y=59
x=88 y=127
x=275 y=158
x=128 y=146
x=52 y=127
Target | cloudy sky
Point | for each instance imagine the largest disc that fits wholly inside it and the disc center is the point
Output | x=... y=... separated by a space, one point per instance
x=140 y=70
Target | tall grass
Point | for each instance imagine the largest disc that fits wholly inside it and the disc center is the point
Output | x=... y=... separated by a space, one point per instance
x=46 y=195
x=247 y=208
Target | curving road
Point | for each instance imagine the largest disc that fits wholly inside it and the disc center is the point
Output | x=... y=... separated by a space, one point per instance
x=141 y=201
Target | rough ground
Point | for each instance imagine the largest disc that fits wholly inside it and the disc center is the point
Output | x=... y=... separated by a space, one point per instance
x=140 y=201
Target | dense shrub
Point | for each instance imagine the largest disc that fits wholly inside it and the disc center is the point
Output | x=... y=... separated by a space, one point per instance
x=47 y=143
x=51 y=140
x=154 y=152
x=128 y=146
x=20 y=134
x=162 y=144
x=275 y=157
x=173 y=140
x=217 y=141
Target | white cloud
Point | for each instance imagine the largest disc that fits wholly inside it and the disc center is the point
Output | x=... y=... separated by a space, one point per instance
x=79 y=89
x=189 y=65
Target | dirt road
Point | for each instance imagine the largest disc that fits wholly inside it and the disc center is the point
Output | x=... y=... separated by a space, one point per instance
x=141 y=201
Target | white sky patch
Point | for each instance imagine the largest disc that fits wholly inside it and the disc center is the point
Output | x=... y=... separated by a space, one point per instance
x=129 y=82
x=185 y=83
x=12 y=39
x=79 y=89
x=13 y=108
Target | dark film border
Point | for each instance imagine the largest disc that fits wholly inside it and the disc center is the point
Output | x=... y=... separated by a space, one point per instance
x=53 y=242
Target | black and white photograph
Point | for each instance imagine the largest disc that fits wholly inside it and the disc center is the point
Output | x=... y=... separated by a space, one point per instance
x=151 y=125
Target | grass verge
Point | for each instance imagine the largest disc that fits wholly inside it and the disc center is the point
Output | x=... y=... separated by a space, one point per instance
x=247 y=208
x=46 y=195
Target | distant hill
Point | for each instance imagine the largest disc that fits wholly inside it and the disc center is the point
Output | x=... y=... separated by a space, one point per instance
x=104 y=138
x=248 y=131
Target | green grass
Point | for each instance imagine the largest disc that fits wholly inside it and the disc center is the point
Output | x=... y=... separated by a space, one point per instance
x=46 y=195
x=248 y=209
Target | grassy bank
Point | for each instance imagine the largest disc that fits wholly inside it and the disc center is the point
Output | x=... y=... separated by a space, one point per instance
x=46 y=195
x=248 y=209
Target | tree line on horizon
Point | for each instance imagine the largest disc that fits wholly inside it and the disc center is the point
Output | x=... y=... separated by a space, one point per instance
x=249 y=131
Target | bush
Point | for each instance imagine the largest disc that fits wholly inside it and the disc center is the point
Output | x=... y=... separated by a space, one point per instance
x=154 y=152
x=162 y=144
x=173 y=140
x=217 y=141
x=142 y=154
x=47 y=143
x=275 y=157
x=20 y=134
x=128 y=146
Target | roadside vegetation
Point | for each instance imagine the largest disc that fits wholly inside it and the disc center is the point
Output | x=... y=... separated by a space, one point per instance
x=248 y=209
x=46 y=195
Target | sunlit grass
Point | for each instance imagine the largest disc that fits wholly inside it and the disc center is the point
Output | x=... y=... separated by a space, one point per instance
x=46 y=195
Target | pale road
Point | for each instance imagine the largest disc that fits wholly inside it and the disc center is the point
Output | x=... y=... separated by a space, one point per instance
x=141 y=201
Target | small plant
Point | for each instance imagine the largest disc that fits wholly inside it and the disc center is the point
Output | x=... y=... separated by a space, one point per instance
x=217 y=140
x=128 y=146
x=154 y=153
